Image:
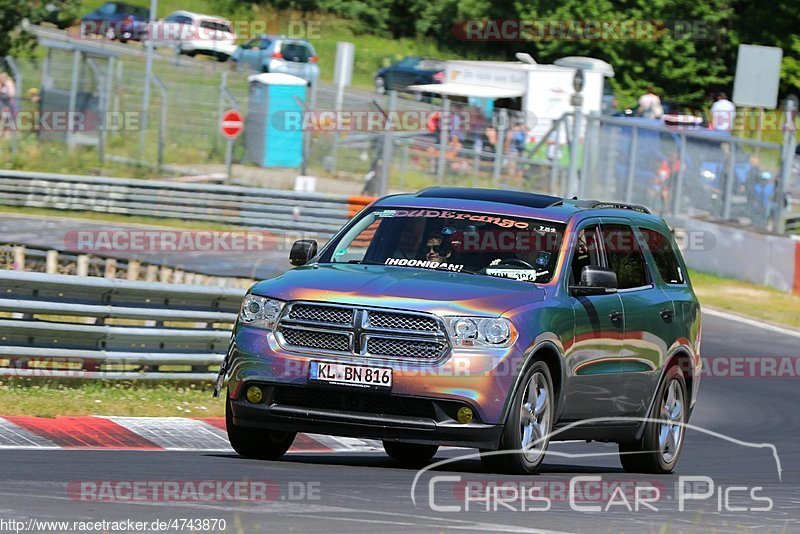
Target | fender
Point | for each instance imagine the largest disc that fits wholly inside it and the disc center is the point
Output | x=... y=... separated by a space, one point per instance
x=528 y=359
x=680 y=350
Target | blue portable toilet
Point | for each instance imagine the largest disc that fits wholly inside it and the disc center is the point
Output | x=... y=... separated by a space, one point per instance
x=272 y=135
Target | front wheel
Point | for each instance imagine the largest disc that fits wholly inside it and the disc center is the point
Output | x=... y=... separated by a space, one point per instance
x=411 y=454
x=257 y=443
x=380 y=85
x=526 y=435
x=662 y=441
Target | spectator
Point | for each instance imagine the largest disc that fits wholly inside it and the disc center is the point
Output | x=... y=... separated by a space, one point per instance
x=723 y=113
x=650 y=105
x=8 y=100
x=516 y=147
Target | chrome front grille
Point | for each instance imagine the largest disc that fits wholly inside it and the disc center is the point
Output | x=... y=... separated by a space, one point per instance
x=365 y=332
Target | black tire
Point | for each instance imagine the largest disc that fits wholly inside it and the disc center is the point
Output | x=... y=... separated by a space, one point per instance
x=645 y=455
x=410 y=454
x=257 y=443
x=513 y=460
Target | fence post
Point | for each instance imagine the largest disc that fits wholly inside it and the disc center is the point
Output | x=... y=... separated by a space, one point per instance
x=18 y=84
x=631 y=166
x=133 y=270
x=386 y=154
x=588 y=147
x=442 y=139
x=499 y=148
x=782 y=184
x=73 y=96
x=730 y=179
x=677 y=193
x=111 y=268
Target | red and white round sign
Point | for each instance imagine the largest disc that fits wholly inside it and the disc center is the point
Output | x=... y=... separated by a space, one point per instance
x=232 y=123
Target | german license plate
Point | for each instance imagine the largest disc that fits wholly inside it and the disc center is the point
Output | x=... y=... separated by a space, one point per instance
x=345 y=374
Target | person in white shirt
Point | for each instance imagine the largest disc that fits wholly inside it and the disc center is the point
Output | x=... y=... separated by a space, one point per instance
x=723 y=113
x=650 y=105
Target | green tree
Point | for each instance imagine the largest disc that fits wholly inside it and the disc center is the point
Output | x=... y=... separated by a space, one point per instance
x=16 y=15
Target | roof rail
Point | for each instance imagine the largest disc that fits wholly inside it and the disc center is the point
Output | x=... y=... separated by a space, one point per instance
x=597 y=204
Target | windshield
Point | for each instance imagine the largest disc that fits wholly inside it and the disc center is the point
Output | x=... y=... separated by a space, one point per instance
x=457 y=241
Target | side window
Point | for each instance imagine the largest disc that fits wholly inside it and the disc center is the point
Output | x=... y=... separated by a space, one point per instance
x=587 y=252
x=666 y=260
x=624 y=255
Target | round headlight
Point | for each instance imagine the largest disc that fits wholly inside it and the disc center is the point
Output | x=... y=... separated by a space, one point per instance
x=251 y=308
x=496 y=331
x=271 y=309
x=466 y=329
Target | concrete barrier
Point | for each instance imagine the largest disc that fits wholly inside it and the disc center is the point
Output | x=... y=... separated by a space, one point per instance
x=731 y=252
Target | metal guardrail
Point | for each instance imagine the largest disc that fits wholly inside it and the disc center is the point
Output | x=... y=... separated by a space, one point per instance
x=66 y=326
x=250 y=207
x=793 y=224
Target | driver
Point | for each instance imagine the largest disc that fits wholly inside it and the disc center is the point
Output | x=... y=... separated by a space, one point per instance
x=438 y=249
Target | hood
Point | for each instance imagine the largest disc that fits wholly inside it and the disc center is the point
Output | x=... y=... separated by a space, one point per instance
x=425 y=290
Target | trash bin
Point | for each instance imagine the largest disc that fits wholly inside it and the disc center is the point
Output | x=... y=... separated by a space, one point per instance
x=272 y=137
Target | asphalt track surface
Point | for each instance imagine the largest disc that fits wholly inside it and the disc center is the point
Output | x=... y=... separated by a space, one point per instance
x=367 y=492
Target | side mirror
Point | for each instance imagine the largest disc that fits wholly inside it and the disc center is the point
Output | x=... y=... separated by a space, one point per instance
x=595 y=281
x=302 y=251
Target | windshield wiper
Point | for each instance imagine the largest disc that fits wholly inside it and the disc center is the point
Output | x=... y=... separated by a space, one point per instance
x=365 y=262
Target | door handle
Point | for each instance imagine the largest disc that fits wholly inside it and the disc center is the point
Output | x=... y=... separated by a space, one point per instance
x=667 y=314
x=615 y=316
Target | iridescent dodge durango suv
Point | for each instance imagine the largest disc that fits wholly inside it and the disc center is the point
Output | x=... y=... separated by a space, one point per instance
x=478 y=318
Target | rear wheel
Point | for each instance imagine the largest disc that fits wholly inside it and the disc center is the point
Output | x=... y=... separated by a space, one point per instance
x=661 y=443
x=411 y=454
x=258 y=443
x=528 y=425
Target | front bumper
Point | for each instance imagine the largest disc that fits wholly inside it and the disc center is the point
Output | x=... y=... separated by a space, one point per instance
x=278 y=412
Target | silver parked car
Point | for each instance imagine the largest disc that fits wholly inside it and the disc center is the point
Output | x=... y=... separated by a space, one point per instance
x=269 y=53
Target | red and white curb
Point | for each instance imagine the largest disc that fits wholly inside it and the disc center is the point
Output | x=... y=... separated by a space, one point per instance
x=148 y=433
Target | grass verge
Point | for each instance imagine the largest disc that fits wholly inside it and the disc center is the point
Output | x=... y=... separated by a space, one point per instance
x=759 y=302
x=50 y=398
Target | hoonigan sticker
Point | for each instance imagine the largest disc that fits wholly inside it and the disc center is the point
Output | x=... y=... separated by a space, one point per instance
x=456 y=216
x=403 y=262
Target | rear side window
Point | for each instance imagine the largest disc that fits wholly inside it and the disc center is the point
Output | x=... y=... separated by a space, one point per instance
x=296 y=52
x=214 y=26
x=624 y=255
x=666 y=260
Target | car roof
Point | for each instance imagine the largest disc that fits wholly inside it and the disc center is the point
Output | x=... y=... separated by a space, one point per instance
x=516 y=203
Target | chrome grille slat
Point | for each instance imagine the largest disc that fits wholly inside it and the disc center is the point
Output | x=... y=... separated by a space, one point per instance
x=364 y=332
x=321 y=314
x=316 y=339
x=401 y=321
x=426 y=350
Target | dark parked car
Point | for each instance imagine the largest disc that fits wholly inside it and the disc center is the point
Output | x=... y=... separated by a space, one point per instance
x=412 y=70
x=499 y=320
x=116 y=20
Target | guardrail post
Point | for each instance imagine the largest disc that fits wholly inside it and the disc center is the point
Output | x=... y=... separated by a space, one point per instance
x=133 y=270
x=19 y=258
x=82 y=265
x=177 y=276
x=51 y=262
x=151 y=273
x=165 y=275
x=110 y=268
